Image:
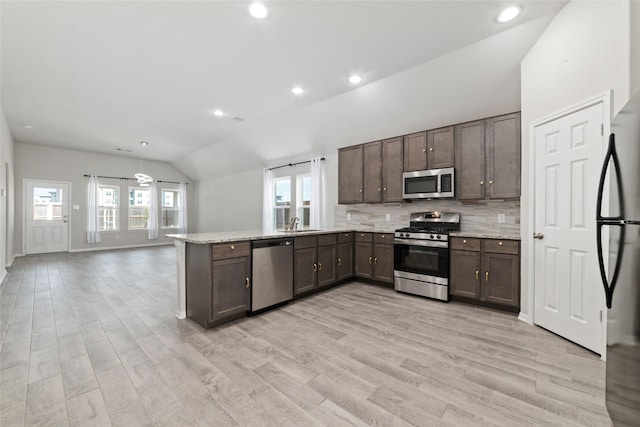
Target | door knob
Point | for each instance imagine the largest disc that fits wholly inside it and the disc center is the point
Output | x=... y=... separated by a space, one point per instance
x=539 y=236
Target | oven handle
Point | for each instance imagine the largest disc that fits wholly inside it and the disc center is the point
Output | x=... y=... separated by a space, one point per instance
x=425 y=243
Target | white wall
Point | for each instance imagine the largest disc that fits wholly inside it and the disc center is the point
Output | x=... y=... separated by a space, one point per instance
x=234 y=202
x=582 y=53
x=48 y=163
x=635 y=46
x=6 y=195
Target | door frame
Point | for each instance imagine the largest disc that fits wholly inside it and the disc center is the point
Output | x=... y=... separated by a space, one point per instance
x=25 y=182
x=605 y=99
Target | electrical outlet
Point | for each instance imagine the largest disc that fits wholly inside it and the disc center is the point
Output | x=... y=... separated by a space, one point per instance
x=388 y=217
x=348 y=216
x=502 y=218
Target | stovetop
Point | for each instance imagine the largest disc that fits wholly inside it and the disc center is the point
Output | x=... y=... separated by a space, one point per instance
x=430 y=226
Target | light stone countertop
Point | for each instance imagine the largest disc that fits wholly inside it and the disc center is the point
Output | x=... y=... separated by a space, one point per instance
x=485 y=235
x=238 y=236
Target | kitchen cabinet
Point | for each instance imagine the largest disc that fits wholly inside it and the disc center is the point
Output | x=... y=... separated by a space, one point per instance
x=344 y=256
x=374 y=256
x=440 y=148
x=487 y=158
x=392 y=168
x=486 y=270
x=415 y=152
x=218 y=282
x=350 y=174
x=372 y=152
x=314 y=263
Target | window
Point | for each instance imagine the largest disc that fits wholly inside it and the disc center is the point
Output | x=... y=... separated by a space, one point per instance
x=47 y=205
x=108 y=208
x=138 y=208
x=170 y=208
x=292 y=199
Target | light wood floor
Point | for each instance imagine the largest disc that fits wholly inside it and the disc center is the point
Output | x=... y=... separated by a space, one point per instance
x=91 y=339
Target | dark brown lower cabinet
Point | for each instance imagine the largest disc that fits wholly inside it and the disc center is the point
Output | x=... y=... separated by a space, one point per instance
x=344 y=256
x=374 y=256
x=218 y=282
x=314 y=262
x=486 y=270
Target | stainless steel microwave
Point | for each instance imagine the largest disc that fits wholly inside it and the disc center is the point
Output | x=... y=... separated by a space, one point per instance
x=429 y=184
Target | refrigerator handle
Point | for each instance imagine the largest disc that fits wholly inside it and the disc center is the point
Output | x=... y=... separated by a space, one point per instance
x=611 y=155
x=610 y=287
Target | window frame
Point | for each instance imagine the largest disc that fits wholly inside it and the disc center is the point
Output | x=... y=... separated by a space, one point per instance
x=296 y=205
x=129 y=207
x=115 y=208
x=164 y=209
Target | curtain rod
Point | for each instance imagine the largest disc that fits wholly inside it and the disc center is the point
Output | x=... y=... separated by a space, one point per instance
x=293 y=164
x=133 y=179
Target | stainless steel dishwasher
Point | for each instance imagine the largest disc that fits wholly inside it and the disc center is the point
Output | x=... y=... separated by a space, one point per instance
x=272 y=271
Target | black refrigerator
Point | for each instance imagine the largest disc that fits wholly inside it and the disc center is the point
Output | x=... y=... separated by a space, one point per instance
x=618 y=242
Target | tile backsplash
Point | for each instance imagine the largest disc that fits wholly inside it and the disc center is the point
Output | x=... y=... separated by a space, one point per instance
x=476 y=217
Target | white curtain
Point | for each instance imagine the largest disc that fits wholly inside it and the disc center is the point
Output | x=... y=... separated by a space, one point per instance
x=153 y=211
x=93 y=226
x=268 y=200
x=318 y=201
x=182 y=208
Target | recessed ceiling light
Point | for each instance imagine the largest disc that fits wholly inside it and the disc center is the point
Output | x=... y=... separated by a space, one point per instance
x=218 y=113
x=27 y=126
x=144 y=143
x=509 y=14
x=258 y=10
x=297 y=90
x=355 y=79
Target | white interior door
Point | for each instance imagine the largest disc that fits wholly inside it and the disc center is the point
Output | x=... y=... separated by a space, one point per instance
x=46 y=217
x=568 y=295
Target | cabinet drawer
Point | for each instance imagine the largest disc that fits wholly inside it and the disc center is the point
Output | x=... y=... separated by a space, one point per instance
x=230 y=250
x=327 y=239
x=501 y=246
x=305 y=242
x=363 y=237
x=345 y=237
x=465 y=244
x=383 y=238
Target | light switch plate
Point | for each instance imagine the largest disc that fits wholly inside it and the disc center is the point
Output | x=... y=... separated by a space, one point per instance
x=76 y=207
x=348 y=216
x=502 y=218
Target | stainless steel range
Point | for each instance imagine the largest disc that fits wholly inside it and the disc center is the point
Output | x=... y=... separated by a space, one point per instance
x=421 y=254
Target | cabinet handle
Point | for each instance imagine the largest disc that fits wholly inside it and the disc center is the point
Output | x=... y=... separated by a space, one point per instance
x=361 y=190
x=339 y=262
x=481 y=182
x=315 y=267
x=464 y=241
x=379 y=189
x=362 y=235
x=499 y=243
x=424 y=150
x=490 y=182
x=382 y=237
x=385 y=188
x=486 y=276
x=370 y=260
x=246 y=282
x=431 y=149
x=319 y=266
x=477 y=274
x=375 y=260
x=232 y=247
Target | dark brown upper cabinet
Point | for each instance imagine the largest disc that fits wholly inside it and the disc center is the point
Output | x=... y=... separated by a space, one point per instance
x=415 y=152
x=373 y=172
x=350 y=174
x=440 y=148
x=392 y=168
x=487 y=157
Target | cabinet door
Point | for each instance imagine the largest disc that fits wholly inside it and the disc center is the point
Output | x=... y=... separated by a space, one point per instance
x=326 y=265
x=350 y=175
x=503 y=156
x=231 y=293
x=469 y=142
x=344 y=262
x=373 y=172
x=383 y=263
x=465 y=274
x=392 y=167
x=304 y=270
x=415 y=152
x=363 y=260
x=500 y=279
x=440 y=148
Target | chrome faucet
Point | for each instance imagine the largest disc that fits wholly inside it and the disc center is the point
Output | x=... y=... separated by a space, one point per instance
x=293 y=223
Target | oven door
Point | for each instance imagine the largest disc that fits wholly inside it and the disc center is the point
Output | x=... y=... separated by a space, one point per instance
x=422 y=257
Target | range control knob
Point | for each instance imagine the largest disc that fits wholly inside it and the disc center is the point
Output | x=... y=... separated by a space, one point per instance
x=438 y=236
x=431 y=237
x=406 y=234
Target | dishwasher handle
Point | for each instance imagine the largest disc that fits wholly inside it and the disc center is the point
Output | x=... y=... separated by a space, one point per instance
x=269 y=243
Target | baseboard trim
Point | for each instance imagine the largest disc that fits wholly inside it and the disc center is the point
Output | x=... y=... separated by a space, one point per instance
x=181 y=314
x=109 y=248
x=524 y=318
x=3 y=274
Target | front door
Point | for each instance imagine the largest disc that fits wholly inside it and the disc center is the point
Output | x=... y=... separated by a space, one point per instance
x=46 y=217
x=568 y=294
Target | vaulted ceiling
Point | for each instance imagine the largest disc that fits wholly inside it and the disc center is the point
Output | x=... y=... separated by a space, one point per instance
x=101 y=76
